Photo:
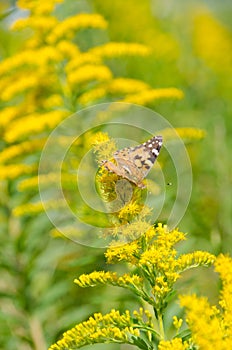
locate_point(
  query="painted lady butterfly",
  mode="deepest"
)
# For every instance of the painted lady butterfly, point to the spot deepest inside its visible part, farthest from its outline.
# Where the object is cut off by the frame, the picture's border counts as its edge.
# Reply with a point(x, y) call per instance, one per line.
point(134, 163)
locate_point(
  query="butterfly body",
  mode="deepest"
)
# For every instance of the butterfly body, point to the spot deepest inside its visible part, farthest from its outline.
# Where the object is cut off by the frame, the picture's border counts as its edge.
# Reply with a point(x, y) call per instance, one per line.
point(134, 163)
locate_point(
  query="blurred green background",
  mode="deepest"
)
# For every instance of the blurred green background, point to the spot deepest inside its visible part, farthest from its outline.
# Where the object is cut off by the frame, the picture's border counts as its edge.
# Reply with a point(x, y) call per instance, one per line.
point(191, 46)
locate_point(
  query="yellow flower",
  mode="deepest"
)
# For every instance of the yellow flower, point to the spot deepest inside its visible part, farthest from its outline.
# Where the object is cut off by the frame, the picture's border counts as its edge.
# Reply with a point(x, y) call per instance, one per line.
point(15, 170)
point(125, 86)
point(38, 207)
point(187, 134)
point(19, 86)
point(33, 124)
point(68, 49)
point(154, 94)
point(114, 49)
point(223, 265)
point(95, 278)
point(92, 95)
point(7, 114)
point(197, 258)
point(213, 43)
point(36, 57)
point(118, 86)
point(88, 73)
point(130, 231)
point(126, 252)
point(130, 210)
point(99, 138)
point(99, 329)
point(68, 27)
point(38, 5)
point(28, 209)
point(46, 181)
point(207, 332)
point(53, 101)
point(102, 277)
point(177, 323)
point(102, 146)
point(174, 344)
point(82, 59)
point(21, 149)
point(41, 23)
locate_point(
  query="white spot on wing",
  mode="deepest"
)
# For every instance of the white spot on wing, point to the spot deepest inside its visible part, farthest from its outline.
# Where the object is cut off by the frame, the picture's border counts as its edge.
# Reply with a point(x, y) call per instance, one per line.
point(155, 151)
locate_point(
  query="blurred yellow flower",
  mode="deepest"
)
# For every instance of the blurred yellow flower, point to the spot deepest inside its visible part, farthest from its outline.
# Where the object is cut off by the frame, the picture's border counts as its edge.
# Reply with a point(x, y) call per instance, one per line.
point(115, 49)
point(68, 27)
point(88, 73)
point(150, 95)
point(213, 43)
point(21, 149)
point(33, 123)
point(13, 171)
point(38, 5)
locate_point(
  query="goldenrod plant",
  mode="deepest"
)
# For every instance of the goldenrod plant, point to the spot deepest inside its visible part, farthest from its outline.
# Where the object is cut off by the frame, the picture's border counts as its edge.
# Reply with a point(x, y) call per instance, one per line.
point(155, 266)
point(46, 74)
point(56, 58)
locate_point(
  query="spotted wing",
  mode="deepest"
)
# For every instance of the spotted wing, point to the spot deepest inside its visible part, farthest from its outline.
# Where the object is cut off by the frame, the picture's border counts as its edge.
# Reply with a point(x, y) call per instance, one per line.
point(138, 161)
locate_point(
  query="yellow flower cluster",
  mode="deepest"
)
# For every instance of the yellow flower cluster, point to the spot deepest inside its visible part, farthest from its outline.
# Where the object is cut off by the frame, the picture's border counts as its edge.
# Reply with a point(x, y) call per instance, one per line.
point(102, 146)
point(151, 95)
point(32, 58)
point(96, 277)
point(7, 114)
point(68, 27)
point(196, 258)
point(92, 96)
point(113, 327)
point(46, 181)
point(213, 43)
point(68, 49)
point(114, 49)
point(177, 323)
point(39, 6)
point(126, 86)
point(127, 252)
point(115, 87)
point(187, 134)
point(203, 322)
point(131, 210)
point(81, 59)
point(99, 138)
point(20, 86)
point(211, 326)
point(223, 265)
point(33, 123)
point(102, 277)
point(154, 252)
point(89, 73)
point(21, 149)
point(39, 23)
point(28, 209)
point(13, 171)
point(174, 344)
point(131, 230)
point(38, 207)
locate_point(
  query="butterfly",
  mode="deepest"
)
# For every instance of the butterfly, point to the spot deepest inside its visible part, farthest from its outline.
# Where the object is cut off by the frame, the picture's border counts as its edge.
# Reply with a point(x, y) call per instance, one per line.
point(134, 163)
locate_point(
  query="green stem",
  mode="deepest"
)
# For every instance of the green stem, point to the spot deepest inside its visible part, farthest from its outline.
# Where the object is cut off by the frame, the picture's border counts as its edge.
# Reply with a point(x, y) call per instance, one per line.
point(161, 327)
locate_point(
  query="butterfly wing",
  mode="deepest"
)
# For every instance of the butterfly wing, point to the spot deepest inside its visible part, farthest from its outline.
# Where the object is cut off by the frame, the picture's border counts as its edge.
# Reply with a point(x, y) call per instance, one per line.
point(138, 161)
